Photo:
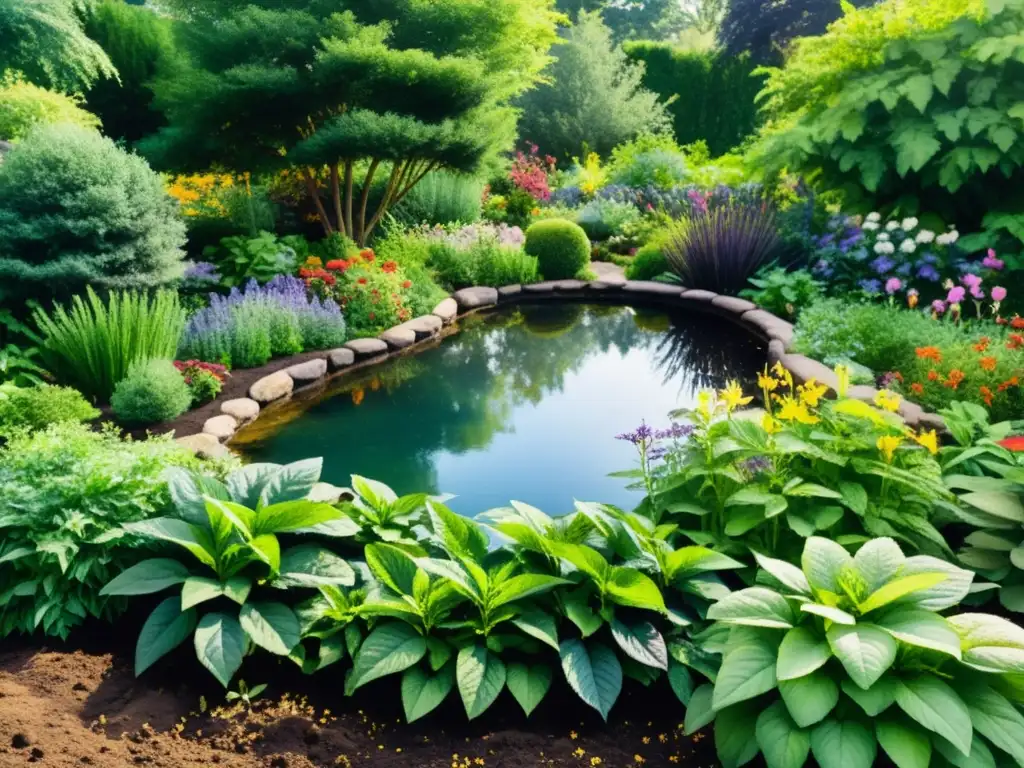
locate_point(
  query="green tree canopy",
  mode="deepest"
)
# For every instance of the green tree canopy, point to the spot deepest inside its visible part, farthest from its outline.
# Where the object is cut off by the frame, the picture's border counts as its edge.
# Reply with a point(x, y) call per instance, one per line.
point(594, 96)
point(44, 39)
point(334, 90)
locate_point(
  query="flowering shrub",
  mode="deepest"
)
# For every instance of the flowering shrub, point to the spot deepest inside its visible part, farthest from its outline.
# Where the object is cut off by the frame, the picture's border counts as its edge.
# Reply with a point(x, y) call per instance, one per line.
point(204, 380)
point(200, 194)
point(530, 173)
point(248, 327)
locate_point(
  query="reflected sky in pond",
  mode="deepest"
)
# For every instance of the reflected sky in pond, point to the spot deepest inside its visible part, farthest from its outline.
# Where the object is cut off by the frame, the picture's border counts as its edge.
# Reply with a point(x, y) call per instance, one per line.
point(524, 404)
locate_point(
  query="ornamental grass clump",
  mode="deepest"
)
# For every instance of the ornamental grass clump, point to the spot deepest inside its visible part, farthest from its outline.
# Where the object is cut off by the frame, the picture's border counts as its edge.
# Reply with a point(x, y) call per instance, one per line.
point(721, 247)
point(480, 254)
point(248, 327)
point(849, 653)
point(92, 344)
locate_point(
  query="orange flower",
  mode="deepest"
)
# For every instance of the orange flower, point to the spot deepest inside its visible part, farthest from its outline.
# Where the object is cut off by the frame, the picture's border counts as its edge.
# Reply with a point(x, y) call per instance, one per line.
point(389, 266)
point(929, 353)
point(982, 344)
point(358, 395)
point(933, 375)
point(1013, 381)
point(986, 395)
point(917, 389)
point(407, 284)
point(955, 377)
point(1017, 322)
point(367, 255)
point(1016, 341)
point(988, 363)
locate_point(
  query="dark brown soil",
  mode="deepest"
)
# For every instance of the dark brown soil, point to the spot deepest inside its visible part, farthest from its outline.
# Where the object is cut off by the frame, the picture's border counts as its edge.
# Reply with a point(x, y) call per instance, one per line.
point(79, 706)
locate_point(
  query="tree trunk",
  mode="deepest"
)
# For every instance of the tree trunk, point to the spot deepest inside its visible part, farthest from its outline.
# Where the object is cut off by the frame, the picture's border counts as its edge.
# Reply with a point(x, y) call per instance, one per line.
point(314, 194)
point(336, 197)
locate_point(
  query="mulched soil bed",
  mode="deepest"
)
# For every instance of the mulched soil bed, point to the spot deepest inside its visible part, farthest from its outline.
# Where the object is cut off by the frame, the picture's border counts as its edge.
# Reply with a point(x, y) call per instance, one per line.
point(80, 705)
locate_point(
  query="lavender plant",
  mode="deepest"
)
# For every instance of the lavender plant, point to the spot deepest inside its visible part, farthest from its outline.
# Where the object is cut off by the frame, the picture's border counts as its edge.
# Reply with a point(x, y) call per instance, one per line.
point(248, 327)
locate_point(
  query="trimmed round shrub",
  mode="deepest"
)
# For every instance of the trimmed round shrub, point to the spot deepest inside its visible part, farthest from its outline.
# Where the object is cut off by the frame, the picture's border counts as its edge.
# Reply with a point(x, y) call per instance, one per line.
point(153, 391)
point(561, 248)
point(38, 407)
point(648, 263)
point(75, 209)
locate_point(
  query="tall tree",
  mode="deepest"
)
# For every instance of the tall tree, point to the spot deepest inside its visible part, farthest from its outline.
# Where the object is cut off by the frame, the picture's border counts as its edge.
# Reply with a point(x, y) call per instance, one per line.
point(594, 96)
point(627, 19)
point(44, 40)
point(344, 94)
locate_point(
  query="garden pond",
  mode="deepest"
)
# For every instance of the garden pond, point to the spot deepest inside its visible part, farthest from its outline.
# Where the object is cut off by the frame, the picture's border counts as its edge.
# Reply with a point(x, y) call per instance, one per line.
point(522, 403)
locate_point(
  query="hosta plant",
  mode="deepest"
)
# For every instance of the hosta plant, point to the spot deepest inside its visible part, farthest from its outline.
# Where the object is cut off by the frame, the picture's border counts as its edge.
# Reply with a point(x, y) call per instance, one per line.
point(847, 654)
point(232, 533)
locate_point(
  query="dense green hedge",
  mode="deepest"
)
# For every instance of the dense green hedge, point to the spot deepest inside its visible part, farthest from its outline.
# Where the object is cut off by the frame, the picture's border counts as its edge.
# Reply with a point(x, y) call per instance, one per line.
point(714, 93)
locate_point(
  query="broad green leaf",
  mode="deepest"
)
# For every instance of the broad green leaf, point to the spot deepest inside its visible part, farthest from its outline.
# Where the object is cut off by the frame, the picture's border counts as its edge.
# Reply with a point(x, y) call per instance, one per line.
point(593, 672)
point(906, 746)
point(540, 625)
point(813, 490)
point(220, 645)
point(293, 516)
point(755, 607)
point(245, 484)
point(945, 594)
point(937, 707)
point(735, 739)
point(375, 493)
point(918, 89)
point(423, 693)
point(272, 626)
point(827, 611)
point(310, 565)
point(878, 561)
point(389, 649)
point(583, 558)
point(481, 676)
point(874, 700)
point(460, 536)
point(787, 575)
point(528, 684)
point(199, 589)
point(524, 585)
point(699, 712)
point(627, 586)
point(1001, 504)
point(996, 719)
point(191, 537)
point(898, 588)
point(843, 744)
point(864, 650)
point(855, 497)
point(823, 560)
point(187, 491)
point(921, 628)
point(681, 681)
point(582, 615)
point(686, 561)
point(238, 518)
point(392, 566)
point(989, 643)
point(291, 482)
point(642, 642)
point(748, 670)
point(147, 577)
point(810, 698)
point(268, 549)
point(801, 653)
point(782, 743)
point(166, 628)
point(438, 653)
point(980, 757)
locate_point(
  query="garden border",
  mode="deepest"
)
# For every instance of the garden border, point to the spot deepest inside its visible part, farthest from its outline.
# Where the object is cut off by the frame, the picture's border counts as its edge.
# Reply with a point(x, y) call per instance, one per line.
point(290, 377)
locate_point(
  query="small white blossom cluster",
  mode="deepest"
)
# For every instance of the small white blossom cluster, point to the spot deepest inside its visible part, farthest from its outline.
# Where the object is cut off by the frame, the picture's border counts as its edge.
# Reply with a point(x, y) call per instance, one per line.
point(884, 247)
point(948, 238)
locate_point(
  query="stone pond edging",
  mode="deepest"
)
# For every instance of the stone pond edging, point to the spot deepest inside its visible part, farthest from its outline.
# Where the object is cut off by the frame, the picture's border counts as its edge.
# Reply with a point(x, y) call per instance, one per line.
point(403, 338)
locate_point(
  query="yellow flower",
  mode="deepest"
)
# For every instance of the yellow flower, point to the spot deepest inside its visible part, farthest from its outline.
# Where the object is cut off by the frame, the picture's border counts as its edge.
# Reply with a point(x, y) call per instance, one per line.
point(792, 410)
point(887, 401)
point(767, 382)
point(704, 403)
point(811, 393)
point(732, 395)
point(929, 440)
point(843, 374)
point(769, 424)
point(888, 445)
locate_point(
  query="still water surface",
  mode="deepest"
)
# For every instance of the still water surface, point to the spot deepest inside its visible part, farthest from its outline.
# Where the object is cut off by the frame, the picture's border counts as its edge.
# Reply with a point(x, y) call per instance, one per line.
point(522, 404)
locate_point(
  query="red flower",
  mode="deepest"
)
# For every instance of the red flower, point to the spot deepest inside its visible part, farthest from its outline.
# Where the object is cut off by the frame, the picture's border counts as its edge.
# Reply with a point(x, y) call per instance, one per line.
point(361, 281)
point(1017, 322)
point(338, 265)
point(367, 255)
point(407, 284)
point(917, 388)
point(389, 267)
point(1013, 443)
point(1016, 340)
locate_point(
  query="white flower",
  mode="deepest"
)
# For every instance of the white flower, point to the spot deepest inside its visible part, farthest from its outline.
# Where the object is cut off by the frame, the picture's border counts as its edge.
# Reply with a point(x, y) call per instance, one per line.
point(908, 246)
point(885, 248)
point(953, 236)
point(892, 225)
point(874, 217)
point(925, 236)
point(870, 225)
point(948, 238)
point(909, 223)
point(882, 237)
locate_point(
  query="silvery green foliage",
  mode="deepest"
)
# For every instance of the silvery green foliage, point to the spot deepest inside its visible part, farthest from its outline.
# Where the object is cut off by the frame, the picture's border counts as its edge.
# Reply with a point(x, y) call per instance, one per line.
point(851, 652)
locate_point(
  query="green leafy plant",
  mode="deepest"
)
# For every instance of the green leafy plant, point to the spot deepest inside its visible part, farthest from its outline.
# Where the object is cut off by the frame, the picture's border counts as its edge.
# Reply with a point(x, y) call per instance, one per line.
point(94, 343)
point(19, 352)
point(602, 219)
point(782, 291)
point(37, 407)
point(649, 261)
point(561, 248)
point(245, 694)
point(232, 532)
point(153, 391)
point(260, 258)
point(849, 653)
point(24, 105)
point(64, 491)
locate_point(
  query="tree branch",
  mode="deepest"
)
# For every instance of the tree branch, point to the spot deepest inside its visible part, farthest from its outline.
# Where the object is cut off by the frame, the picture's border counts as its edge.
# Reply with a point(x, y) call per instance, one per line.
point(336, 197)
point(314, 194)
point(348, 198)
point(364, 197)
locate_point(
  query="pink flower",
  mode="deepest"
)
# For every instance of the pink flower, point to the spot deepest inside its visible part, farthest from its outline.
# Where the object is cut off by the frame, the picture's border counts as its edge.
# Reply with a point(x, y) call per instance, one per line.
point(998, 293)
point(991, 261)
point(971, 281)
point(892, 285)
point(956, 295)
point(977, 293)
point(939, 306)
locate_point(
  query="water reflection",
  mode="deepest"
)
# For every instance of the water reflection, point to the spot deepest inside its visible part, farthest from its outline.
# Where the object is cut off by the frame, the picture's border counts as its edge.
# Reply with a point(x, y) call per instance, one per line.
point(522, 403)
